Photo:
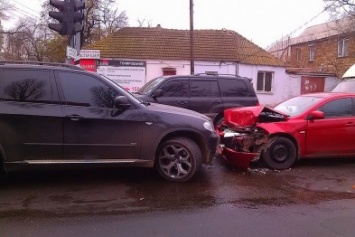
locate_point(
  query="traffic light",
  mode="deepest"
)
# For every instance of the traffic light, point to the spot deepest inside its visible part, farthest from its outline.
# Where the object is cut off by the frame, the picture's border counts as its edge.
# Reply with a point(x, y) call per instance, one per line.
point(78, 16)
point(60, 27)
point(70, 16)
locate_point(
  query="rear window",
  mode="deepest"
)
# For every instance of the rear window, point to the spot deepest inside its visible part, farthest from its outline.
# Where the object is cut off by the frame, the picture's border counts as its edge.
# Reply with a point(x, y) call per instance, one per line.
point(27, 86)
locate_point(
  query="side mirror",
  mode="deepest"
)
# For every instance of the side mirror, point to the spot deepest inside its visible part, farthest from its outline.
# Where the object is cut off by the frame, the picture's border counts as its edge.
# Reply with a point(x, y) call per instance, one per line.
point(157, 93)
point(121, 102)
point(316, 114)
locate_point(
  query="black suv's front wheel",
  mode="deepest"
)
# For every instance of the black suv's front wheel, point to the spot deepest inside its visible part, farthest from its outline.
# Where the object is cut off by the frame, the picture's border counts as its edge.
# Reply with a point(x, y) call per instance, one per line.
point(178, 159)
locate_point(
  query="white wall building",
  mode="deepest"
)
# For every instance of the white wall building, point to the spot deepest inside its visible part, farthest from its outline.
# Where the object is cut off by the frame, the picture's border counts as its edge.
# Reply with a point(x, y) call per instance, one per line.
point(167, 52)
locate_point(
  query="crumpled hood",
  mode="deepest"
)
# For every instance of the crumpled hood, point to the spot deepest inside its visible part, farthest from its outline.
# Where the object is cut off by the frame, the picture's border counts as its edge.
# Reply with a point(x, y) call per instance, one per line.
point(249, 116)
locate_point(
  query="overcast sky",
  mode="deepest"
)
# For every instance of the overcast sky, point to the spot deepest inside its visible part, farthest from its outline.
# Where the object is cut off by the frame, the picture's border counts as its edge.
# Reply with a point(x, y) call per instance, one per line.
point(261, 21)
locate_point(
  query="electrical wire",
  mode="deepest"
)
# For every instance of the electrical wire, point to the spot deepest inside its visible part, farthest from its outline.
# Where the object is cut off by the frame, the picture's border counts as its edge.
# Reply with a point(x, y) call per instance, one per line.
point(300, 27)
point(23, 10)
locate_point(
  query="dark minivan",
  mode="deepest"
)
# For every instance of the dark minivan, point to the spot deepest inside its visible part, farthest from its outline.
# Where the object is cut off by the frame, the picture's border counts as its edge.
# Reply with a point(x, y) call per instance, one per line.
point(64, 116)
point(203, 93)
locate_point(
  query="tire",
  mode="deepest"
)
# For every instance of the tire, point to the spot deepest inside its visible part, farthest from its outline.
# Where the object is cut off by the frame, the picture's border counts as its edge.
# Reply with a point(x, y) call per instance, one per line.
point(178, 159)
point(281, 153)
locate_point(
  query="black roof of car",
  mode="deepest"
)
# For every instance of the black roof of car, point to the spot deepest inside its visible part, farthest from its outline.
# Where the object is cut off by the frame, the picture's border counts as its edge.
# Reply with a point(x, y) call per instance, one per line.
point(31, 64)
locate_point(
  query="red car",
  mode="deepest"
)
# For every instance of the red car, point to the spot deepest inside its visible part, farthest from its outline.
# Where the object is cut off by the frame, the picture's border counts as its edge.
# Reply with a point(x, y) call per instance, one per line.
point(306, 126)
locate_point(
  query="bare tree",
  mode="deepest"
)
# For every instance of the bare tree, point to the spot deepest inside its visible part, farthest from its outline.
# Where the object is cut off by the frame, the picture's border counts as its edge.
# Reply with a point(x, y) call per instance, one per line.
point(340, 8)
point(101, 18)
point(28, 40)
point(5, 10)
point(31, 39)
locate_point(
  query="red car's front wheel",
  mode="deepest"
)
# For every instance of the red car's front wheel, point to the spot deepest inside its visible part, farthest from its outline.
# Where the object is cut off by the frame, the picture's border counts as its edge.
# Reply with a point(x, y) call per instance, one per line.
point(280, 154)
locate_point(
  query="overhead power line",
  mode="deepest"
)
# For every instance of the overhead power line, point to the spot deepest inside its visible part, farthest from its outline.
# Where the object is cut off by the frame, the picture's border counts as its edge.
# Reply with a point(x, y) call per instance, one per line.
point(24, 10)
point(302, 26)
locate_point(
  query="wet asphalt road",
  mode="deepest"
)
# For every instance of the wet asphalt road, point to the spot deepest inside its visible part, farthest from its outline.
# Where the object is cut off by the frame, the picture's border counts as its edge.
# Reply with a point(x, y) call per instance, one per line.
point(315, 198)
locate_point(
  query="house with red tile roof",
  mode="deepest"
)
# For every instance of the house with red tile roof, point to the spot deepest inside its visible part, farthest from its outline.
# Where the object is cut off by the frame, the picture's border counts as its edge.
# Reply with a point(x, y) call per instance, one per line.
point(145, 53)
point(320, 54)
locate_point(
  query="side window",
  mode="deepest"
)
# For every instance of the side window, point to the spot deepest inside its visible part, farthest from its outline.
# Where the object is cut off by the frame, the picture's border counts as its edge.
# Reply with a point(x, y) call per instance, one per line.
point(84, 90)
point(176, 88)
point(233, 88)
point(338, 108)
point(27, 86)
point(204, 88)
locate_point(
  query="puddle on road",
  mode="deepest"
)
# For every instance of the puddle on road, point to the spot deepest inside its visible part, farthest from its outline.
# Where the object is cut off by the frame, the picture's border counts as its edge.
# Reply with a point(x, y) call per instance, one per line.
point(140, 190)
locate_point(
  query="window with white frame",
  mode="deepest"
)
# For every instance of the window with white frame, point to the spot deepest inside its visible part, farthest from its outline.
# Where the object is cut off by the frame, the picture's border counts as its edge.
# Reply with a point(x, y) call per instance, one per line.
point(264, 82)
point(312, 50)
point(343, 47)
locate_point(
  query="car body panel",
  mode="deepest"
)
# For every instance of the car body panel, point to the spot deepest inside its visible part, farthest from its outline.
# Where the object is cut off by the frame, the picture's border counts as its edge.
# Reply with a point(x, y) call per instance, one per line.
point(330, 137)
point(249, 116)
point(24, 131)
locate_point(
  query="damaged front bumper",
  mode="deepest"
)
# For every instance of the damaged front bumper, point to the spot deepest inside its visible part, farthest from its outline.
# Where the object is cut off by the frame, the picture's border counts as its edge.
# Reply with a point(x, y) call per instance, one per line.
point(239, 160)
point(241, 149)
point(242, 141)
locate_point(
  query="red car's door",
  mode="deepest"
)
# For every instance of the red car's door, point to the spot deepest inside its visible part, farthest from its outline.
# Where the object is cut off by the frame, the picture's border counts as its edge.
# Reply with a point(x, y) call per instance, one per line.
point(334, 134)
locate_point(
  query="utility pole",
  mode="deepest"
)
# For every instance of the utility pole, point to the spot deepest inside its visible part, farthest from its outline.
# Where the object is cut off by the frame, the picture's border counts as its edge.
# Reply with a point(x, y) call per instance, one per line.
point(192, 64)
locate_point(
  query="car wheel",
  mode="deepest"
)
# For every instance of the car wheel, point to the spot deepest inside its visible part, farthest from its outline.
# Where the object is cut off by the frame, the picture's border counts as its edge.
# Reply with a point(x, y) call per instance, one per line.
point(178, 159)
point(280, 154)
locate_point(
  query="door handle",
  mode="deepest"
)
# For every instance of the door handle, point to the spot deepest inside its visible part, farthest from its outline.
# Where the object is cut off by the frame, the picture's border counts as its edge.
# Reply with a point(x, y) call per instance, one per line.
point(216, 102)
point(182, 103)
point(74, 117)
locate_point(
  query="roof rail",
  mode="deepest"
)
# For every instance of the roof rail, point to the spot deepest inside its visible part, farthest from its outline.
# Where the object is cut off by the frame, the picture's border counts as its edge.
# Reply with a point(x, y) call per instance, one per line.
point(215, 74)
point(3, 62)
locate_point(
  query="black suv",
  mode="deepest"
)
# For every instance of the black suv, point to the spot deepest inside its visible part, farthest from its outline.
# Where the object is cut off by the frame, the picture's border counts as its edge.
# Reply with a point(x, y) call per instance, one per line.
point(203, 93)
point(65, 116)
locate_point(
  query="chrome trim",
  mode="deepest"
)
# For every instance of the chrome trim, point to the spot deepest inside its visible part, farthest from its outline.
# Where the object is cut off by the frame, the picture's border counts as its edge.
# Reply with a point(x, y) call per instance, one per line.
point(60, 144)
point(103, 161)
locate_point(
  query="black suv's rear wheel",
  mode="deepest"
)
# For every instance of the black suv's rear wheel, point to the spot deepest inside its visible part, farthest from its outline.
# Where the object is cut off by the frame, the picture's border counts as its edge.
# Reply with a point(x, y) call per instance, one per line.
point(178, 159)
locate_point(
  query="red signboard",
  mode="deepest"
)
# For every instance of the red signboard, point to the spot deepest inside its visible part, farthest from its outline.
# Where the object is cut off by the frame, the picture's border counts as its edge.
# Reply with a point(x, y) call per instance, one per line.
point(88, 64)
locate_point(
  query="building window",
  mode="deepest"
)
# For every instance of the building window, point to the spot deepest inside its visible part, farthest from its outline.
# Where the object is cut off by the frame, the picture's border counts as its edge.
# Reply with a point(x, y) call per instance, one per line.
point(312, 50)
point(169, 71)
point(298, 55)
point(264, 83)
point(343, 47)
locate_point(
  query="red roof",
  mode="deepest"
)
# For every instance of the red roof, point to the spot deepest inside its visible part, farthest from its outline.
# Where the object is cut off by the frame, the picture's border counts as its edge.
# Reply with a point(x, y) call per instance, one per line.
point(170, 44)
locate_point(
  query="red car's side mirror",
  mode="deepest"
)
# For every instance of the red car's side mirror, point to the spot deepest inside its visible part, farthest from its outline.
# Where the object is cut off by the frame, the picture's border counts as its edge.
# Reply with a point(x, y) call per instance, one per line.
point(316, 114)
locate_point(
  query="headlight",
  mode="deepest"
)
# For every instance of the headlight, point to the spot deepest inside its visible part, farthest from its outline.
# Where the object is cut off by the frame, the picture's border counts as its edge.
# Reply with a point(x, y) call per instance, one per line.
point(209, 126)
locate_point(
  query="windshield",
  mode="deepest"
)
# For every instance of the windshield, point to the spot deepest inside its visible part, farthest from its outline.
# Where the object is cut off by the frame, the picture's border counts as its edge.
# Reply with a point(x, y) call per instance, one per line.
point(150, 85)
point(297, 105)
point(345, 86)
